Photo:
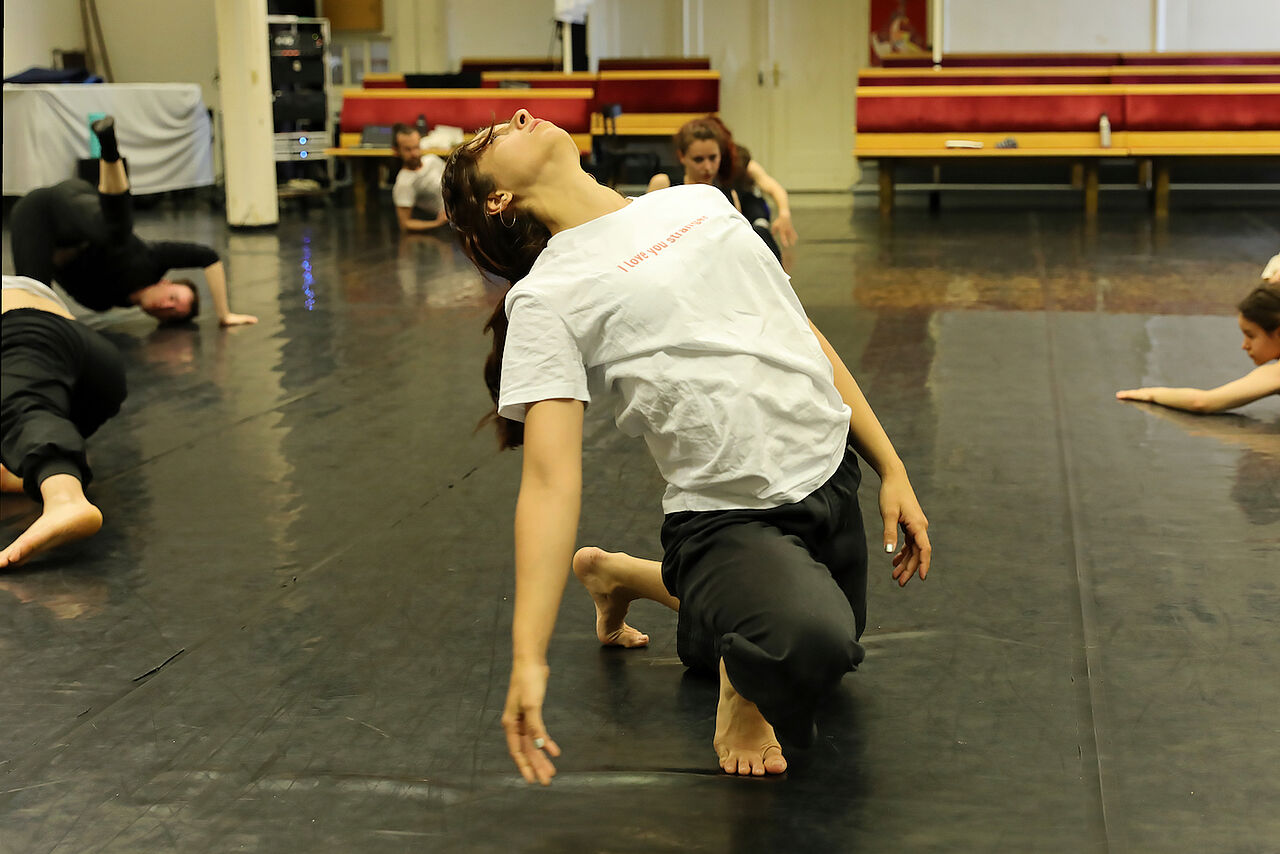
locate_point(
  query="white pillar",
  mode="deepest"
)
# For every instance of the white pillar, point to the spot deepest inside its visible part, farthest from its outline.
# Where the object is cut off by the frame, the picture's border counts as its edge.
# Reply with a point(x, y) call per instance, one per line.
point(936, 26)
point(248, 141)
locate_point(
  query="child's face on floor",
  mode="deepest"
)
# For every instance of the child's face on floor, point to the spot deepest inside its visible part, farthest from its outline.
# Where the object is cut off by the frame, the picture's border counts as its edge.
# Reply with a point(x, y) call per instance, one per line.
point(1262, 346)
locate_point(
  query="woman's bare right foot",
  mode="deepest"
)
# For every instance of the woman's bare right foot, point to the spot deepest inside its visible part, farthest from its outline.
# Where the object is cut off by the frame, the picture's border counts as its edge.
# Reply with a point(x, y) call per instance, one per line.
point(612, 599)
point(68, 516)
point(744, 740)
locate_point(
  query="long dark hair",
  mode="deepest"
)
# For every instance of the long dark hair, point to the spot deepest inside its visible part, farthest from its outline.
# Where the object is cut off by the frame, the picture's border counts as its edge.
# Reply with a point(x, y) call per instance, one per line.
point(1262, 306)
point(506, 251)
point(709, 127)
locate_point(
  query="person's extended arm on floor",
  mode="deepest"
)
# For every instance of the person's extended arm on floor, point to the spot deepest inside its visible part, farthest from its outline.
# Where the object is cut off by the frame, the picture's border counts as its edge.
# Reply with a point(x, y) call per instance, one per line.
point(408, 222)
point(215, 276)
point(545, 530)
point(174, 255)
point(781, 226)
point(898, 502)
point(1258, 383)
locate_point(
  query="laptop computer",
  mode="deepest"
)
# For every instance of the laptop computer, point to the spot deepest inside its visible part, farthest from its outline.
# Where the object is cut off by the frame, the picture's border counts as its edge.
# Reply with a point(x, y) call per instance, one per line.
point(376, 136)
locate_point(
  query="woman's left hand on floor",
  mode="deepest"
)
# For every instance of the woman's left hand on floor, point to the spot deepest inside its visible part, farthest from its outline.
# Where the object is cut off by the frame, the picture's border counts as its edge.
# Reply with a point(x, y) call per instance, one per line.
point(900, 509)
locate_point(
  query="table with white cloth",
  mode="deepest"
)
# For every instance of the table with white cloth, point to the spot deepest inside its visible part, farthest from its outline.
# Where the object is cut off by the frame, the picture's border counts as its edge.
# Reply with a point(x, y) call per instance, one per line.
point(162, 130)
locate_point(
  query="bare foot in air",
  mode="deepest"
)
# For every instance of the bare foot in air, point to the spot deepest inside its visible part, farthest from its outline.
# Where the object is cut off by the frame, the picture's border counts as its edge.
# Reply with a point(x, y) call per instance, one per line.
point(744, 740)
point(592, 566)
point(68, 516)
point(9, 482)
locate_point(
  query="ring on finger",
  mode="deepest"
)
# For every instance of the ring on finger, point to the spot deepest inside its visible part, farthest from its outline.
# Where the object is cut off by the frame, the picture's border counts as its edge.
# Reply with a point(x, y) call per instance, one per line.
point(539, 742)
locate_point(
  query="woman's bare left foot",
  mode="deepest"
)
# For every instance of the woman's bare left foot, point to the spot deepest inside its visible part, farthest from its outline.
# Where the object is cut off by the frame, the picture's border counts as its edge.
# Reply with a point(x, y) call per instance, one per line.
point(9, 482)
point(60, 523)
point(612, 599)
point(744, 740)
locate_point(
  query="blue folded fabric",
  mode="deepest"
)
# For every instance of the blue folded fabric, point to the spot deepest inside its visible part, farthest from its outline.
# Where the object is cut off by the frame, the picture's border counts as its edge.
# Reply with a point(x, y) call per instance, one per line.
point(36, 74)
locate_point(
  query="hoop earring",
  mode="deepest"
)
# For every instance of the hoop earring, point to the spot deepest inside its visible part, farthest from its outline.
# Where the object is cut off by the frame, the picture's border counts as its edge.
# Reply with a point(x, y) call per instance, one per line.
point(511, 224)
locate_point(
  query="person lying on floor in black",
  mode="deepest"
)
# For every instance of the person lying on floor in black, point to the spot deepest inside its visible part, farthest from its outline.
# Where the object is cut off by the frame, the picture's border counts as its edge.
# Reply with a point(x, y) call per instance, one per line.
point(83, 238)
point(59, 382)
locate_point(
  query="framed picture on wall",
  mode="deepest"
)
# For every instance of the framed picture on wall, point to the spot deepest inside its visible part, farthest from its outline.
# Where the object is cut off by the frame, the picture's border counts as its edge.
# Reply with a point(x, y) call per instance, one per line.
point(899, 28)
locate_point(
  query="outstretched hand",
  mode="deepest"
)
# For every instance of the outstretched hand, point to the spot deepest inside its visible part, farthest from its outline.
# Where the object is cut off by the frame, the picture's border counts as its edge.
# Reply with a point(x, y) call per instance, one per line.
point(900, 509)
point(1144, 394)
point(527, 739)
point(237, 320)
point(785, 231)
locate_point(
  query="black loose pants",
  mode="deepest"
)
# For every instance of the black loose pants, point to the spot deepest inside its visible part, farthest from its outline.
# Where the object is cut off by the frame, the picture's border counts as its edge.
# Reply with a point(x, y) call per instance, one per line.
point(59, 382)
point(779, 594)
point(65, 218)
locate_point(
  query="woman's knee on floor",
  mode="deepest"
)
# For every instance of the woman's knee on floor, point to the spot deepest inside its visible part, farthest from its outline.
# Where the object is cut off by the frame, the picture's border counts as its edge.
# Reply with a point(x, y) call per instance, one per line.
point(822, 645)
point(812, 643)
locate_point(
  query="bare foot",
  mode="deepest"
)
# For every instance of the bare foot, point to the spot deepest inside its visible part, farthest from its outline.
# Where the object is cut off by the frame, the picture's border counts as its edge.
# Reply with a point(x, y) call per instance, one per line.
point(61, 522)
point(744, 740)
point(9, 482)
point(592, 566)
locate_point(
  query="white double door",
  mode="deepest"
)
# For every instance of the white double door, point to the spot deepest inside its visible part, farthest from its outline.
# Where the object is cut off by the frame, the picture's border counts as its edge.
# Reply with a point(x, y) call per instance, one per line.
point(788, 69)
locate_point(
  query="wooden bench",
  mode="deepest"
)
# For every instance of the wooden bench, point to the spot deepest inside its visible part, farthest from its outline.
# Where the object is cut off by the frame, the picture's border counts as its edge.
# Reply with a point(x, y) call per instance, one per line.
point(511, 63)
point(1094, 75)
point(1051, 121)
point(1048, 60)
point(655, 101)
point(569, 109)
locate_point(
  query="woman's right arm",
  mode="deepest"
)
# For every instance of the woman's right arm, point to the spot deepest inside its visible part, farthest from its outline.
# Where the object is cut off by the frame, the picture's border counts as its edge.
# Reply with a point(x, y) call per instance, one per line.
point(545, 529)
point(658, 182)
point(1256, 384)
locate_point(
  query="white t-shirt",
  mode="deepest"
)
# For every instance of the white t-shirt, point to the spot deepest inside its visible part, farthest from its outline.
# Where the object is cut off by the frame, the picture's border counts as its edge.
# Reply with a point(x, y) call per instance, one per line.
point(420, 188)
point(674, 312)
point(35, 288)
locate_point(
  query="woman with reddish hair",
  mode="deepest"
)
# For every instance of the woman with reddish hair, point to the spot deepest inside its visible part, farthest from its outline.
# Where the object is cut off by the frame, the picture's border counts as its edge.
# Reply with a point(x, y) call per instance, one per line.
point(708, 154)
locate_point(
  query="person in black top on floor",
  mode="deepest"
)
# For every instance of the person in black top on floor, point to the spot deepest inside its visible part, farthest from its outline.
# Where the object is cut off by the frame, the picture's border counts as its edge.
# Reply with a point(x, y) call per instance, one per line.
point(83, 238)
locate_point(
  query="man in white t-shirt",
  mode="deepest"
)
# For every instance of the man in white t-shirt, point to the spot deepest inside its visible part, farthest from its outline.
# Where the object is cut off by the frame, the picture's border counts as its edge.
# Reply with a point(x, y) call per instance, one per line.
point(419, 205)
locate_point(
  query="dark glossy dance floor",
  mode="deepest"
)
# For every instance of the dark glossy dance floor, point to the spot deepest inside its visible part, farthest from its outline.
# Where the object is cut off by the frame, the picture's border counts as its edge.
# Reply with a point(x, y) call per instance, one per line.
point(292, 633)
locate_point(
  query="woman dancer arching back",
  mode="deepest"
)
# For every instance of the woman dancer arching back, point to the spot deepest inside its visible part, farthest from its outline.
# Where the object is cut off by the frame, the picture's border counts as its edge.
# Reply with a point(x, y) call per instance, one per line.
point(668, 311)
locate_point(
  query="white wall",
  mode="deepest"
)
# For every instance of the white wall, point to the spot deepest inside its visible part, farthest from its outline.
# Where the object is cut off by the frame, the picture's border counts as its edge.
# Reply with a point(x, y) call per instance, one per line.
point(1035, 26)
point(418, 30)
point(162, 41)
point(34, 28)
point(1222, 25)
point(499, 28)
point(631, 28)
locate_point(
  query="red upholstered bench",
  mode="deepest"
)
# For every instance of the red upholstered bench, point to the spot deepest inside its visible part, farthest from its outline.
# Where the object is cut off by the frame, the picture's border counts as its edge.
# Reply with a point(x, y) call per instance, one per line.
point(511, 63)
point(1081, 60)
point(469, 109)
point(383, 80)
point(1068, 76)
point(1005, 60)
point(655, 63)
point(1050, 121)
point(1253, 58)
point(466, 108)
point(655, 102)
point(539, 79)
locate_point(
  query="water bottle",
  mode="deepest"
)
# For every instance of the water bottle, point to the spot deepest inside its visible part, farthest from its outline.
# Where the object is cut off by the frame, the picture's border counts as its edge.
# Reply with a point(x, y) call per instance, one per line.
point(1104, 131)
